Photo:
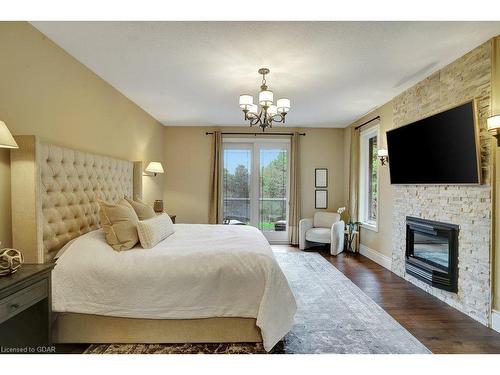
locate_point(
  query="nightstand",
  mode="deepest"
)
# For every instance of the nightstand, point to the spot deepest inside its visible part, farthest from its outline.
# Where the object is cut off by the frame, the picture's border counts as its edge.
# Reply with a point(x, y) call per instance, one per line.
point(26, 309)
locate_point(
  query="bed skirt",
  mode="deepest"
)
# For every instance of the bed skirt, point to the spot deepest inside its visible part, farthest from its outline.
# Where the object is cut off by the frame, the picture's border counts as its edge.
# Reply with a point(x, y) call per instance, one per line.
point(99, 329)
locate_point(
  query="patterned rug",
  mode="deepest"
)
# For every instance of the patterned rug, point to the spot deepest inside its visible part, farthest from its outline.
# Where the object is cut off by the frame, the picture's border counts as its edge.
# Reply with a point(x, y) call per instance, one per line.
point(334, 316)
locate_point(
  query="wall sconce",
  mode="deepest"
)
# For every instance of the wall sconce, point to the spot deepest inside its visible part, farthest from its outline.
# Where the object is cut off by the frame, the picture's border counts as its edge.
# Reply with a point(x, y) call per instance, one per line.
point(6, 139)
point(154, 167)
point(493, 123)
point(383, 156)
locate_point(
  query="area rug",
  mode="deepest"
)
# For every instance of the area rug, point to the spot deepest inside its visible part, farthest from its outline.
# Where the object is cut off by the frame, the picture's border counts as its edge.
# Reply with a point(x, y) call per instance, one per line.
point(333, 316)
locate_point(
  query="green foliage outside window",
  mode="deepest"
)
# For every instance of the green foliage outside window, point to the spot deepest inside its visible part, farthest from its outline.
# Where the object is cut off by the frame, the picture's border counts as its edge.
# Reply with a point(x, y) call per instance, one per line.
point(273, 185)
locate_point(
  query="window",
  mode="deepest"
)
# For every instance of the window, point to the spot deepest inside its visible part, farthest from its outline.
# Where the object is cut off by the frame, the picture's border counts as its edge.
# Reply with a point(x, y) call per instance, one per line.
point(255, 185)
point(368, 181)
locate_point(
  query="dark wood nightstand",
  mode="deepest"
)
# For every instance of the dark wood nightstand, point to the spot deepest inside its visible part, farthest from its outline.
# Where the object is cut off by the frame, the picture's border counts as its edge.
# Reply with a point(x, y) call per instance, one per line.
point(26, 309)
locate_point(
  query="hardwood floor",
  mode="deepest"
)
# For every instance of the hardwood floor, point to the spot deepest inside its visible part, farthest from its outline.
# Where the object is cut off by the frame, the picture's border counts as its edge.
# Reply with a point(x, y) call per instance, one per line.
point(441, 328)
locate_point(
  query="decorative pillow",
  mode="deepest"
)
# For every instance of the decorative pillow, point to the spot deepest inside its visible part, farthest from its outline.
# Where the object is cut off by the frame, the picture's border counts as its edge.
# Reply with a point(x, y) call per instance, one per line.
point(142, 210)
point(119, 222)
point(152, 231)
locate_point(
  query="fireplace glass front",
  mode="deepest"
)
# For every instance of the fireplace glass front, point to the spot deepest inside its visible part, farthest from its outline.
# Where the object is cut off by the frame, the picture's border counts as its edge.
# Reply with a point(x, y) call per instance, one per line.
point(432, 249)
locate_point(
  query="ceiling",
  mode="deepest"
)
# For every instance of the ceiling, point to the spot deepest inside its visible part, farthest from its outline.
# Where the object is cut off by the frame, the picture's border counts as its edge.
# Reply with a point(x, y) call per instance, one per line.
point(191, 73)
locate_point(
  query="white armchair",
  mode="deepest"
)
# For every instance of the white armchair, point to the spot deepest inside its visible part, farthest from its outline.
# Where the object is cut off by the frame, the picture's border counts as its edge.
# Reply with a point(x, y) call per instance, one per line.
point(325, 227)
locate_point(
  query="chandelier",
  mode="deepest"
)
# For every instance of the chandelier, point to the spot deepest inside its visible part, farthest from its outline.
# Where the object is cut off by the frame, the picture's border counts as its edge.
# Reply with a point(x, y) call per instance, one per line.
point(268, 112)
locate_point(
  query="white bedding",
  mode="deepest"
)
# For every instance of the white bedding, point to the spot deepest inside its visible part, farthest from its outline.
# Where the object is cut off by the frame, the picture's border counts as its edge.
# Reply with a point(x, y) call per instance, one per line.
point(200, 271)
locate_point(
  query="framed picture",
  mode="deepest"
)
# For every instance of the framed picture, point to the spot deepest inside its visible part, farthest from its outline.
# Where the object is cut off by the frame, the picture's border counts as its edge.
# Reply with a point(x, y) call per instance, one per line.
point(321, 177)
point(321, 198)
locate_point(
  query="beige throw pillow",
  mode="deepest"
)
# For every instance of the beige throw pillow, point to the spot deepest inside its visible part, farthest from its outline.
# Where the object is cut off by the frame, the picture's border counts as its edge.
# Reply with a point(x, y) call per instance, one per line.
point(119, 222)
point(142, 210)
point(152, 231)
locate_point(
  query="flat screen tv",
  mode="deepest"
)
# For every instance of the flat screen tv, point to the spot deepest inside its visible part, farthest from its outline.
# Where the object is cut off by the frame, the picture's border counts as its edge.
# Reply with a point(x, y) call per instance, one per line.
point(440, 149)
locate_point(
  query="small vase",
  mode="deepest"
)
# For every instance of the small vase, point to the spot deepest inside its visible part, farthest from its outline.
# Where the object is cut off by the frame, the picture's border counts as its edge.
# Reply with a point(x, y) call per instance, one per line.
point(158, 205)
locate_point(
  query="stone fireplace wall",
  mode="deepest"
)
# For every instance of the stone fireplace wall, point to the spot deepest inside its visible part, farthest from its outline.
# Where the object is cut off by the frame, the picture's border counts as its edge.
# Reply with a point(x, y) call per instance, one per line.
point(470, 207)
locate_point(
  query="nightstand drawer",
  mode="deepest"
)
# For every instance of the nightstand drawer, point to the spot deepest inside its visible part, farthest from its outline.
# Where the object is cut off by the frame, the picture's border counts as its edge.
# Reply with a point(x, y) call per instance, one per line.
point(21, 300)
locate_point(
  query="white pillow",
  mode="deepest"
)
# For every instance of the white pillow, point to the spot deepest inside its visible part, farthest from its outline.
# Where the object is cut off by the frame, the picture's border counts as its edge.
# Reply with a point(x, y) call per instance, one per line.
point(152, 231)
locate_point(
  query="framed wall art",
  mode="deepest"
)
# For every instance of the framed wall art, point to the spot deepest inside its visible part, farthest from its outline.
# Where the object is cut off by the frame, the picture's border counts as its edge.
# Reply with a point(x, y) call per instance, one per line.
point(321, 177)
point(321, 199)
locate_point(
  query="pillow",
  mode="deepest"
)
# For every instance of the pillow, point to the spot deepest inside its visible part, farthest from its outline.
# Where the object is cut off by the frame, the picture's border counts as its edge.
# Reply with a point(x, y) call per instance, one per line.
point(142, 210)
point(119, 222)
point(154, 230)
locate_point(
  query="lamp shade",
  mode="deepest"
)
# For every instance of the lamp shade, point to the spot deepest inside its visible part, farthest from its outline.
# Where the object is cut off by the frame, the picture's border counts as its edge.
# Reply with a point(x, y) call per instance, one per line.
point(493, 122)
point(253, 109)
point(246, 101)
point(154, 167)
point(6, 139)
point(382, 152)
point(283, 105)
point(266, 97)
point(272, 110)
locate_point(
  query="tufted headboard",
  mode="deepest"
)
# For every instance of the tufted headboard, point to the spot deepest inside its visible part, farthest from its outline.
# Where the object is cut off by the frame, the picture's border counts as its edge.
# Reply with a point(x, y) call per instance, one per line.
point(55, 192)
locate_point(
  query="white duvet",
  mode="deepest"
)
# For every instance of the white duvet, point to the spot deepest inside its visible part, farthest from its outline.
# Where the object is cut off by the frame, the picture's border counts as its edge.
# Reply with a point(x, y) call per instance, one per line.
point(201, 271)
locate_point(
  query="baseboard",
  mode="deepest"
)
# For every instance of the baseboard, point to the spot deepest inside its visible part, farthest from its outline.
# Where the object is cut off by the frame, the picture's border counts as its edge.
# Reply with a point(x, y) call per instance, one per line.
point(495, 320)
point(381, 259)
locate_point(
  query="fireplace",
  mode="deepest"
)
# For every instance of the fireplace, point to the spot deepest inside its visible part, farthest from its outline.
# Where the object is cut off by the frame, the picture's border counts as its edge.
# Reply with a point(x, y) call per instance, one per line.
point(432, 252)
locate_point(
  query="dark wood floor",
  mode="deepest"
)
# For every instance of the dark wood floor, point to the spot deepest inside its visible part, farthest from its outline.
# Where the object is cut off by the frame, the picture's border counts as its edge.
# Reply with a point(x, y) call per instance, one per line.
point(441, 328)
point(438, 326)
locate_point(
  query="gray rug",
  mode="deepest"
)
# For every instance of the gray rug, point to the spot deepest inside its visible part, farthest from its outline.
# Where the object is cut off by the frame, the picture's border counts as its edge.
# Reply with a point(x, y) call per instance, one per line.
point(334, 316)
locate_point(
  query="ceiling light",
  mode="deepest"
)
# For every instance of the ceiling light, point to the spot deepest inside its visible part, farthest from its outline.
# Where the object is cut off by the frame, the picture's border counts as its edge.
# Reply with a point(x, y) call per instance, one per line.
point(268, 113)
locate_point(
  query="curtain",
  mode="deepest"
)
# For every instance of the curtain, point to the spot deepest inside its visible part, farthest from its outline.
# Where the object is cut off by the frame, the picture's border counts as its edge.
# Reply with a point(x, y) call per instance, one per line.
point(354, 175)
point(294, 199)
point(215, 209)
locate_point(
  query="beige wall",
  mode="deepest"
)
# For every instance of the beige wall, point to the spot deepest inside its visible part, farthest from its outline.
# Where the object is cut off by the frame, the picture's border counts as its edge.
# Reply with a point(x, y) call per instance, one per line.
point(322, 148)
point(381, 240)
point(46, 92)
point(187, 173)
point(187, 165)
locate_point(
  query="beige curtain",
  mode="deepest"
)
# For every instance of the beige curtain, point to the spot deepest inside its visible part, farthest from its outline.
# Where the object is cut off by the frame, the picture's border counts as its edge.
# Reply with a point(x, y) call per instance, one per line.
point(354, 175)
point(215, 209)
point(294, 199)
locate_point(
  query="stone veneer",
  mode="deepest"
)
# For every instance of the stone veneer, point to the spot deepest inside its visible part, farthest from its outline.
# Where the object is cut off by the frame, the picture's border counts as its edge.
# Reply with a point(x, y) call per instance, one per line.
point(470, 207)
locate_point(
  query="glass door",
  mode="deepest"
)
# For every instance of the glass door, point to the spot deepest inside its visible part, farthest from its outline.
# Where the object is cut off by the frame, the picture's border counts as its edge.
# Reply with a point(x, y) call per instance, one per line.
point(237, 183)
point(273, 190)
point(256, 185)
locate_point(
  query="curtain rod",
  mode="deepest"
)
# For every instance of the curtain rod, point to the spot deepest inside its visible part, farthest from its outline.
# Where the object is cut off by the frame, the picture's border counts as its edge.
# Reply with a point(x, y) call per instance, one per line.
point(367, 122)
point(255, 134)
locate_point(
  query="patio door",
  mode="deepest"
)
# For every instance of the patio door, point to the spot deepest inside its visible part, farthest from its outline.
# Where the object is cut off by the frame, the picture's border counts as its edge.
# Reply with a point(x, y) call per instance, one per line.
point(256, 185)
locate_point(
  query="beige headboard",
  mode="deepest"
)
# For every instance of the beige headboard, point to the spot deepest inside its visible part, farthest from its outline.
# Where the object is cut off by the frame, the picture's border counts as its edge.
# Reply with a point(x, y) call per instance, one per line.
point(55, 192)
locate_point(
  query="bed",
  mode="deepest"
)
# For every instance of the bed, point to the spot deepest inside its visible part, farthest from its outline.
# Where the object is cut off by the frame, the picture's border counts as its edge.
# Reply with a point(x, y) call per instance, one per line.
point(204, 283)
